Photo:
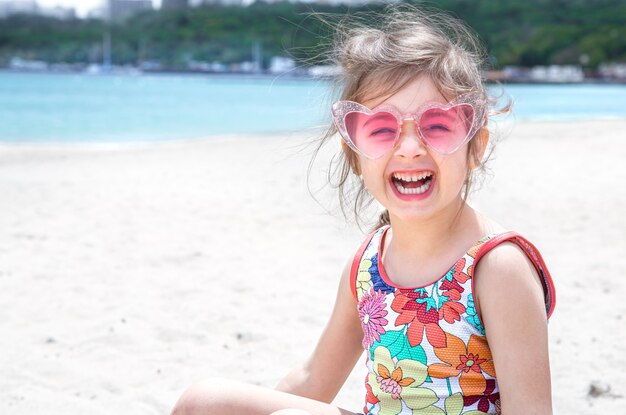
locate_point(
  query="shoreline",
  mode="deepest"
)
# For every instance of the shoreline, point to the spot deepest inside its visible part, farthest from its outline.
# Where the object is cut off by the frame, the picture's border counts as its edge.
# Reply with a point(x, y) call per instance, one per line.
point(134, 72)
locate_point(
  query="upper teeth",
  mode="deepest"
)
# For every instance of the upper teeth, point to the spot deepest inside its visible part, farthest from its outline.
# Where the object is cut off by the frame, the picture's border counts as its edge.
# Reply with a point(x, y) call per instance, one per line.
point(413, 177)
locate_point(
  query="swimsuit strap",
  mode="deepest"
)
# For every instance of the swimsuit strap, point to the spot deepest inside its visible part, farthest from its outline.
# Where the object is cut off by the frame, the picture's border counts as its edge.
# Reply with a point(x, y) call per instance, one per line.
point(357, 260)
point(535, 257)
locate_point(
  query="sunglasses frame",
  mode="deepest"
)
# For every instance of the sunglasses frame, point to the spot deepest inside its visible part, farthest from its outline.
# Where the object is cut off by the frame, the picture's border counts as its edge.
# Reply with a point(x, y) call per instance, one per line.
point(341, 109)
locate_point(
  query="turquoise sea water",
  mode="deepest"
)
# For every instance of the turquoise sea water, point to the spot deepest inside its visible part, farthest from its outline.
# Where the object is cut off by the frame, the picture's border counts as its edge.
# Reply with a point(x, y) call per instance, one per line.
point(79, 107)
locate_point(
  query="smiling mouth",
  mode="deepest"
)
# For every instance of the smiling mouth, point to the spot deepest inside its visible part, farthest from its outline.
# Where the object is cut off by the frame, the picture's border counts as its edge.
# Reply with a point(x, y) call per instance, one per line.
point(414, 184)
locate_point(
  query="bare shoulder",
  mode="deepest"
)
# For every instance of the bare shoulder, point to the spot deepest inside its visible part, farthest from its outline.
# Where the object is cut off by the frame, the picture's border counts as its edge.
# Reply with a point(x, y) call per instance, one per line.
point(506, 279)
point(505, 264)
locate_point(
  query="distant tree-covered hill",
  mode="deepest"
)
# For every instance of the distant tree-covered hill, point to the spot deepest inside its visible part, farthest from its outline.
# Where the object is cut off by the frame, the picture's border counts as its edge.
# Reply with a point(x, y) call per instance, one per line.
point(517, 32)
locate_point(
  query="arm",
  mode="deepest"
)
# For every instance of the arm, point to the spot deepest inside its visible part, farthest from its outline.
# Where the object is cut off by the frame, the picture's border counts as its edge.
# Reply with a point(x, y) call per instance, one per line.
point(514, 315)
point(336, 353)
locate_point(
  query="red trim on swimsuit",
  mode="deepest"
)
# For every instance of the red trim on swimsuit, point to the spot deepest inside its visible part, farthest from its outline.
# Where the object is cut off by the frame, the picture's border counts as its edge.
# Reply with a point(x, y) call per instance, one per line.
point(356, 261)
point(533, 254)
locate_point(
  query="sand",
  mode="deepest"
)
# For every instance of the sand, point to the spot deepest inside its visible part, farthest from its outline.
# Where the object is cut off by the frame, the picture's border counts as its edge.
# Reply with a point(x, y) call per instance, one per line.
point(127, 272)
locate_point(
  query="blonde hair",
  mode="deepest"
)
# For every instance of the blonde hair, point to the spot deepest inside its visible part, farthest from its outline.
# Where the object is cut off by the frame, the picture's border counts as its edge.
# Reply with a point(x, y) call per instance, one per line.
point(378, 59)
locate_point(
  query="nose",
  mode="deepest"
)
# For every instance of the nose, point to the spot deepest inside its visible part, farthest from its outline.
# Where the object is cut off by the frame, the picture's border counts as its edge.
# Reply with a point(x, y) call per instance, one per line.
point(410, 143)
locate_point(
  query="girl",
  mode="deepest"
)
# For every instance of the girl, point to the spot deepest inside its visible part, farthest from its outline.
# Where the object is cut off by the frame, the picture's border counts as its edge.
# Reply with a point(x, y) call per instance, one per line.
point(449, 308)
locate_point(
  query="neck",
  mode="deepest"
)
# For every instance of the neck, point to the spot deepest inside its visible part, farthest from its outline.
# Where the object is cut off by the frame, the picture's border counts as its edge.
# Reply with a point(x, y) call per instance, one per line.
point(426, 238)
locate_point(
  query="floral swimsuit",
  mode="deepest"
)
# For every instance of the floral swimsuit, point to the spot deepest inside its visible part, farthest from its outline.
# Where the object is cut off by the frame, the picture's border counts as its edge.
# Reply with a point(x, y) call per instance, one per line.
point(426, 348)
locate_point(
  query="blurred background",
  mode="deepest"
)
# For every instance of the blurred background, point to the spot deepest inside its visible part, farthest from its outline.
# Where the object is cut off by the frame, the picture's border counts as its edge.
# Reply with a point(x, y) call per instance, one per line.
point(120, 70)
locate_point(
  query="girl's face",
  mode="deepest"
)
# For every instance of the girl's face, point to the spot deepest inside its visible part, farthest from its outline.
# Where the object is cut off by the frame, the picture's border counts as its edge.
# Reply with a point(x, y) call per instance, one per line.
point(412, 181)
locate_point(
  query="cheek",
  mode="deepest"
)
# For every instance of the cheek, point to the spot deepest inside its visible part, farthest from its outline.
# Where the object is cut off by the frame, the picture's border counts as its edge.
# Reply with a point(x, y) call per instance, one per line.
point(373, 176)
point(454, 170)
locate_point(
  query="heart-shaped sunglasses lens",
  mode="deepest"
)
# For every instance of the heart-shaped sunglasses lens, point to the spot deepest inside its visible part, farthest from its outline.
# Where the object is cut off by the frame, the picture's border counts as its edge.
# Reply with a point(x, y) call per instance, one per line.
point(373, 134)
point(445, 130)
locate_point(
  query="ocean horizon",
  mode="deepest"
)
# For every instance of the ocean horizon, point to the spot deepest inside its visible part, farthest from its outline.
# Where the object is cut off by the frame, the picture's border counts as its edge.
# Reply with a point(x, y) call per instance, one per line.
point(76, 107)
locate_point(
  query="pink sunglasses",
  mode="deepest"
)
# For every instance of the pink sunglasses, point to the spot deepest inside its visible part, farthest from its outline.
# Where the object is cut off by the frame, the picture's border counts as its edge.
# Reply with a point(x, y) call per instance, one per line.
point(442, 127)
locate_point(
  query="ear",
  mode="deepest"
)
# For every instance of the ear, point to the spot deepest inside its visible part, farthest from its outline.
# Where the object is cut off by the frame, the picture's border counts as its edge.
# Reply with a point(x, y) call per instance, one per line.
point(482, 140)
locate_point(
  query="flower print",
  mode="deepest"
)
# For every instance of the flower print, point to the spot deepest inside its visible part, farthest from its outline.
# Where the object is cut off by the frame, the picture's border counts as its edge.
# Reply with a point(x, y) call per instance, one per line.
point(451, 289)
point(470, 270)
point(457, 273)
point(451, 282)
point(474, 250)
point(473, 318)
point(372, 313)
point(469, 362)
point(417, 309)
point(369, 397)
point(454, 406)
point(485, 399)
point(377, 280)
point(451, 311)
point(363, 278)
point(394, 383)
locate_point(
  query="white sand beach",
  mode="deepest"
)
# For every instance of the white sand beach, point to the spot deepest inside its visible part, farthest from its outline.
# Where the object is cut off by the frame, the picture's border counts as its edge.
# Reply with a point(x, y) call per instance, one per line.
point(129, 272)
